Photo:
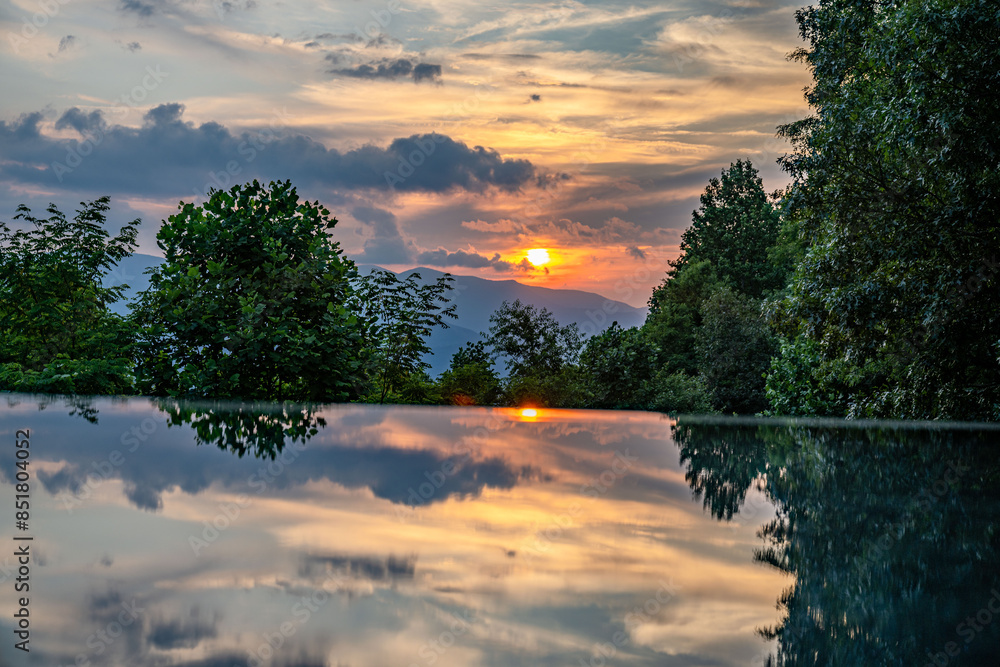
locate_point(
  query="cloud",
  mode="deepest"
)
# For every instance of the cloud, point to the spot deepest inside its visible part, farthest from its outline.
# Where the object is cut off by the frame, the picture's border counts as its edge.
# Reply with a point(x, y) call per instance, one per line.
point(182, 632)
point(472, 260)
point(385, 245)
point(168, 156)
point(636, 252)
point(388, 69)
point(501, 226)
point(373, 568)
point(139, 7)
point(80, 121)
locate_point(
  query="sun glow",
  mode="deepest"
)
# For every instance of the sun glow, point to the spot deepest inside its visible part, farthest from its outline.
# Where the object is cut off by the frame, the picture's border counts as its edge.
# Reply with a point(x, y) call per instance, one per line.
point(538, 256)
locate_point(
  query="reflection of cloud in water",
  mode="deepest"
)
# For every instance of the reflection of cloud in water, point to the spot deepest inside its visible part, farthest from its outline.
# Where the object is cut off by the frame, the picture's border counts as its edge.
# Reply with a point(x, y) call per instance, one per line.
point(332, 520)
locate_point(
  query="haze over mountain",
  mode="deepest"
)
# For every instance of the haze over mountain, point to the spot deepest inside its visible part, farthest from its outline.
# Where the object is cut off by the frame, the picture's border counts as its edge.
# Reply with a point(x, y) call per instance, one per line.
point(475, 299)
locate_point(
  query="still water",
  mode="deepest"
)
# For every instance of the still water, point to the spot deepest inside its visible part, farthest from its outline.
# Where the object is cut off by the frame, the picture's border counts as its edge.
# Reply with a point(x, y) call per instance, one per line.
point(169, 534)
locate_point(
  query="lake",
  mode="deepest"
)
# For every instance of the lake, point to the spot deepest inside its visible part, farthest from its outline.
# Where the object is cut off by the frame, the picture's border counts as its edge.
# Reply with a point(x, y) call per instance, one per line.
point(214, 535)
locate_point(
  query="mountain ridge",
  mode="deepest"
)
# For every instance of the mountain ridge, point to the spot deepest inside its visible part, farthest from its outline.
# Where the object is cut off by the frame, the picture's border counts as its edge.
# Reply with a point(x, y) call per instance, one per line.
point(475, 299)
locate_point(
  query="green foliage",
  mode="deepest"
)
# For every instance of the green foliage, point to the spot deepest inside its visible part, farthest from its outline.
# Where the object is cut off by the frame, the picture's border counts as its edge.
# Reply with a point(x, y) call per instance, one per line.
point(401, 315)
point(259, 429)
point(803, 382)
point(57, 333)
point(416, 388)
point(531, 341)
point(618, 365)
point(675, 315)
point(678, 393)
point(470, 380)
point(564, 389)
point(735, 347)
point(735, 228)
point(251, 302)
point(897, 196)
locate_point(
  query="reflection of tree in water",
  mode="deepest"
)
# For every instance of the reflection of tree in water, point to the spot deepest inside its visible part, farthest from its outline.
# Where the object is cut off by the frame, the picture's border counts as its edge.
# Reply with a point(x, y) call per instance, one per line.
point(723, 461)
point(891, 535)
point(260, 429)
point(79, 406)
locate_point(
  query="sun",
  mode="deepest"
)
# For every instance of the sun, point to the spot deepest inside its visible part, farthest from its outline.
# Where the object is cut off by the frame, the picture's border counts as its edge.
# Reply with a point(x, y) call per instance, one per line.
point(538, 256)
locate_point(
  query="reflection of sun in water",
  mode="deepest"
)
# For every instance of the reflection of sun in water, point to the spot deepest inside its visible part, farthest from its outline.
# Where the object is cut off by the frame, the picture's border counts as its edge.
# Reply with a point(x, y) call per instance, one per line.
point(538, 256)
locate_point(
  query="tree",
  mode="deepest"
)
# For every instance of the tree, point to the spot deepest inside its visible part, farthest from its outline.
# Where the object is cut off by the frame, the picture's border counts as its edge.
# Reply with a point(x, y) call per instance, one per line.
point(735, 229)
point(735, 346)
point(618, 365)
point(57, 332)
point(251, 302)
point(675, 315)
point(531, 341)
point(470, 379)
point(539, 354)
point(402, 314)
point(896, 195)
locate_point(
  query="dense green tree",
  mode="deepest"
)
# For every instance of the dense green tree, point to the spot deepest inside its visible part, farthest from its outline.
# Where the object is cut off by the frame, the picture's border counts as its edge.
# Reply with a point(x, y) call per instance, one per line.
point(734, 347)
point(539, 353)
point(675, 315)
point(531, 341)
point(402, 314)
point(618, 365)
point(251, 302)
point(897, 197)
point(470, 379)
point(57, 333)
point(735, 228)
point(260, 429)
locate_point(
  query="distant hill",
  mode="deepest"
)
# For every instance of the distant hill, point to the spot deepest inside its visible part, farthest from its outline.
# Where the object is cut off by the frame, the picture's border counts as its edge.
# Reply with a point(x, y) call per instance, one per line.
point(475, 299)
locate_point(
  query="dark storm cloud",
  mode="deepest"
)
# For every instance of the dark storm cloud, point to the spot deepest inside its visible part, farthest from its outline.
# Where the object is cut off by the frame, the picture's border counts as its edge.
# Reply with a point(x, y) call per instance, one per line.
point(385, 244)
point(388, 69)
point(168, 156)
point(182, 632)
point(472, 260)
point(426, 72)
point(80, 121)
point(374, 568)
point(139, 7)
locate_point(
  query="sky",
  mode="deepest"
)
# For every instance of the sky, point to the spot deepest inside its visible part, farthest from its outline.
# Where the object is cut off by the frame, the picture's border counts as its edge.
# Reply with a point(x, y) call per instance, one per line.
point(442, 133)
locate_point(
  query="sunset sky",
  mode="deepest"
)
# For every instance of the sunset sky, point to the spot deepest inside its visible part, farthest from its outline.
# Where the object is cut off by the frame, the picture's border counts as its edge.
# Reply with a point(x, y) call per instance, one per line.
point(440, 133)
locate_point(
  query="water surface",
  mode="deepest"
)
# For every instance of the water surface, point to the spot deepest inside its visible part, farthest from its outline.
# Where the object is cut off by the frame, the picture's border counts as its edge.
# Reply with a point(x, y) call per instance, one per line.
point(186, 534)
